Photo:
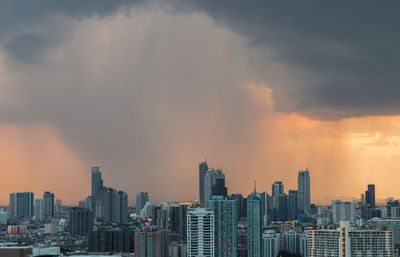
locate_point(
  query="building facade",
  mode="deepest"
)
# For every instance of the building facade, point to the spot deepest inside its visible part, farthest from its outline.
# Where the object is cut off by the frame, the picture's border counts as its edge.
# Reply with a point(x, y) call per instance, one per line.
point(200, 233)
point(225, 226)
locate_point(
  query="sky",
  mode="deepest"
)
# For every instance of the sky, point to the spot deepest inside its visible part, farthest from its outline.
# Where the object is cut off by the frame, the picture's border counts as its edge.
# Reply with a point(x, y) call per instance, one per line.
point(148, 89)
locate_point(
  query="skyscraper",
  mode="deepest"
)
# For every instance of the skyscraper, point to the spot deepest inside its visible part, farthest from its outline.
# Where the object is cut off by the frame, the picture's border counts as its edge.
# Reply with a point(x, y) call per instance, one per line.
point(81, 221)
point(203, 167)
point(200, 233)
point(21, 204)
point(282, 211)
point(210, 180)
point(97, 183)
point(271, 243)
point(303, 191)
point(141, 199)
point(370, 195)
point(39, 208)
point(112, 205)
point(151, 242)
point(277, 190)
point(293, 204)
point(219, 187)
point(254, 227)
point(343, 211)
point(48, 200)
point(225, 226)
point(178, 219)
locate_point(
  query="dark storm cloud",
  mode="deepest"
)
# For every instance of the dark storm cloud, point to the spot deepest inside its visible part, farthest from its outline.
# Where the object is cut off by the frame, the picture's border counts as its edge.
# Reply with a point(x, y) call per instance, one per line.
point(25, 25)
point(345, 53)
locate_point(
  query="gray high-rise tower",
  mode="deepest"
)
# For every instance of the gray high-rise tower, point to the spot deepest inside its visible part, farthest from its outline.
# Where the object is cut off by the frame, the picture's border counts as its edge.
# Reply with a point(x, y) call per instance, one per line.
point(97, 183)
point(141, 199)
point(254, 227)
point(225, 226)
point(277, 190)
point(303, 191)
point(203, 168)
point(370, 196)
point(48, 203)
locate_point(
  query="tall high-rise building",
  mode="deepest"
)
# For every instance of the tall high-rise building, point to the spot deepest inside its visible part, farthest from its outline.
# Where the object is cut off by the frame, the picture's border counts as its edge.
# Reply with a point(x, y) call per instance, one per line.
point(178, 219)
point(81, 221)
point(210, 184)
point(141, 199)
point(48, 200)
point(282, 210)
point(277, 190)
point(254, 227)
point(21, 204)
point(391, 224)
point(370, 195)
point(303, 191)
point(39, 208)
point(265, 208)
point(219, 187)
point(343, 211)
point(97, 183)
point(225, 226)
point(151, 242)
point(293, 204)
point(200, 233)
point(58, 208)
point(271, 243)
point(203, 168)
point(348, 242)
point(117, 239)
point(112, 205)
point(290, 241)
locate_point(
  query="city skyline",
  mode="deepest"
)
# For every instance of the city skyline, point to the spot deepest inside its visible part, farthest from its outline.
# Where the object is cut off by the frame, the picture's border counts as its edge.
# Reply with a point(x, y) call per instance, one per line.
point(284, 188)
point(147, 89)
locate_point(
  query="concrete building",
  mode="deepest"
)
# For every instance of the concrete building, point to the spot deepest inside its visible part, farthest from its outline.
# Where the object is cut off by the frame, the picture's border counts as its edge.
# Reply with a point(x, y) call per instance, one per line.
point(254, 227)
point(177, 250)
point(4, 216)
point(48, 207)
point(225, 226)
point(210, 184)
point(290, 242)
point(349, 242)
point(277, 190)
point(151, 242)
point(178, 219)
point(107, 239)
point(200, 233)
point(39, 208)
point(271, 243)
point(292, 204)
point(391, 224)
point(303, 191)
point(203, 168)
point(370, 196)
point(141, 199)
point(97, 183)
point(112, 206)
point(21, 204)
point(81, 221)
point(343, 211)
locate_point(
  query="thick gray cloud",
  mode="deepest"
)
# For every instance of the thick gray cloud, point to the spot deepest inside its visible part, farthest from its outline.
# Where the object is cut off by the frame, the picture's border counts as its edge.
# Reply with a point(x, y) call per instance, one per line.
point(342, 56)
point(339, 59)
point(27, 27)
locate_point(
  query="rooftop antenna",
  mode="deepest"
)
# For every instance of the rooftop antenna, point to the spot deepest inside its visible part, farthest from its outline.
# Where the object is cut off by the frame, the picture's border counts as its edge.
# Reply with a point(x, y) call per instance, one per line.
point(255, 188)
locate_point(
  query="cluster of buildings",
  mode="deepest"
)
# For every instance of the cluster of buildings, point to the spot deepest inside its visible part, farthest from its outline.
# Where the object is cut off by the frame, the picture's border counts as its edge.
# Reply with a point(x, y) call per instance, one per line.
point(261, 224)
